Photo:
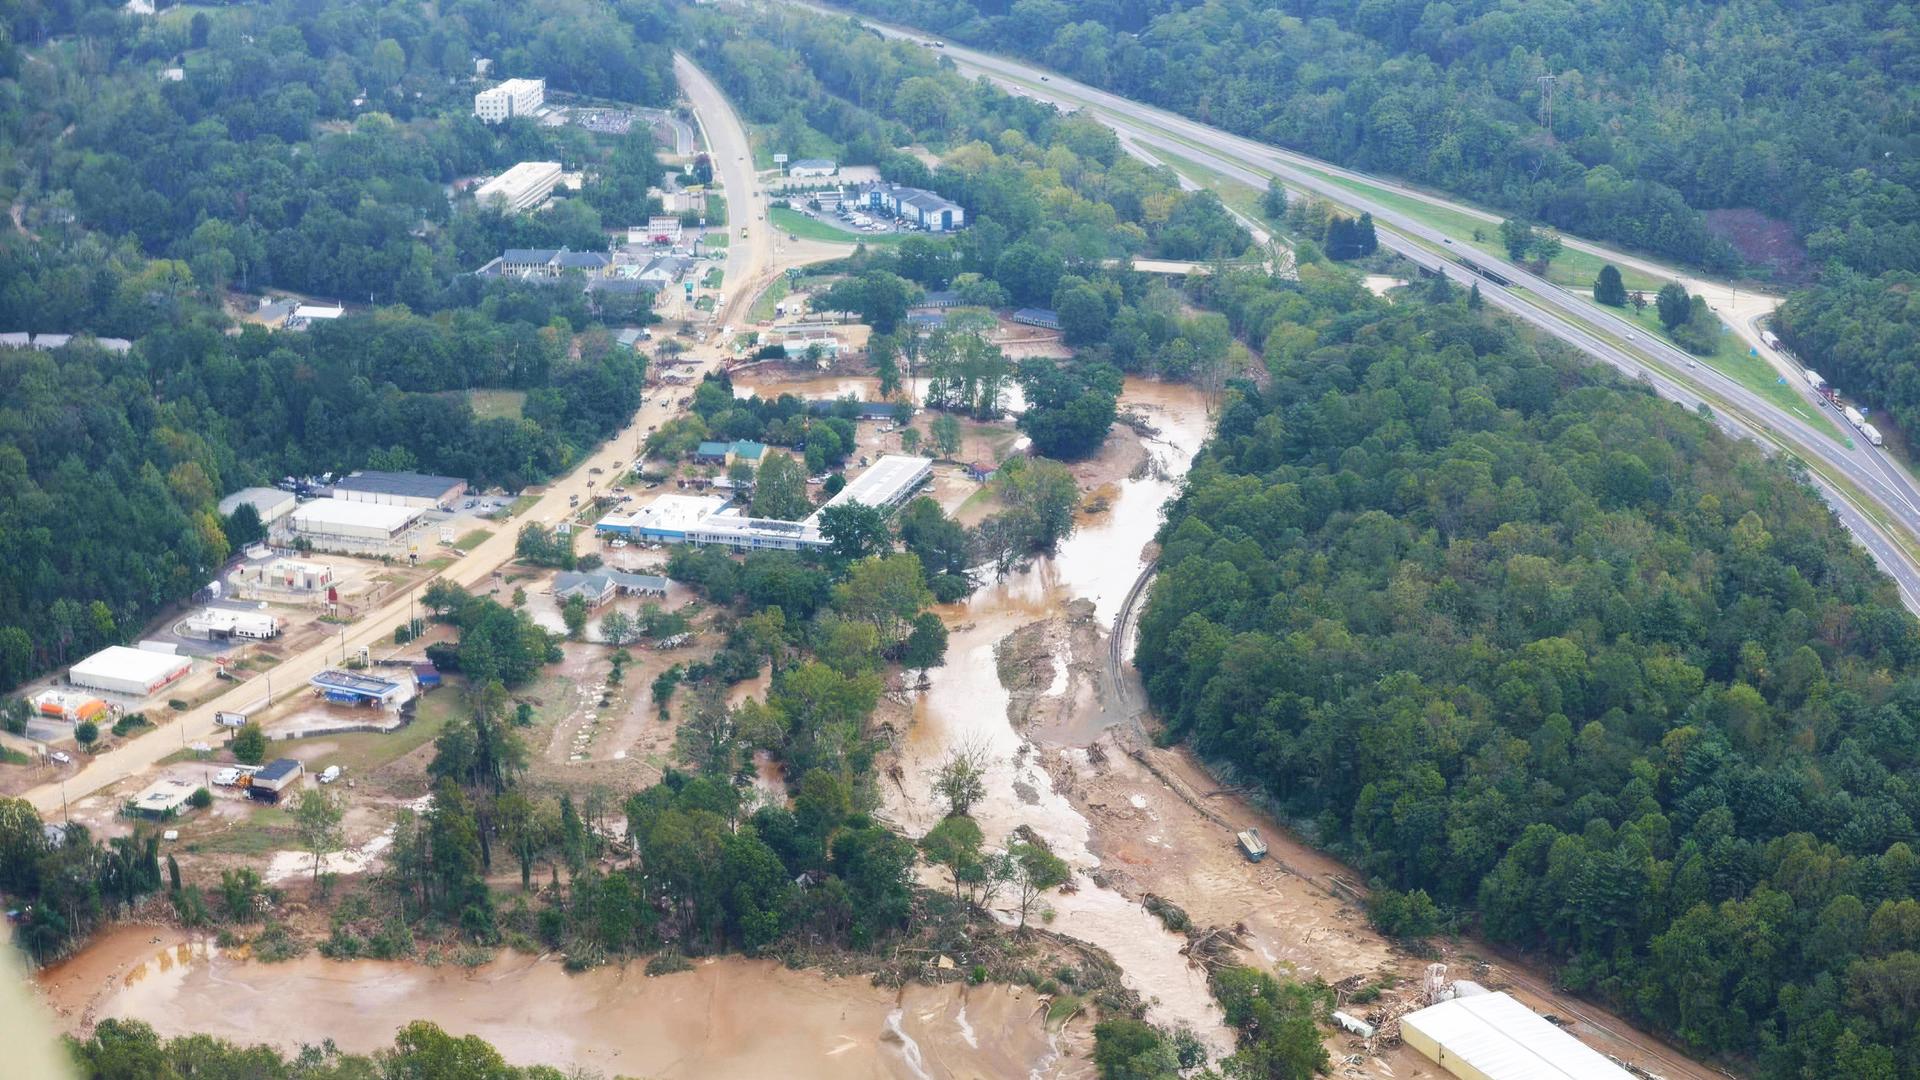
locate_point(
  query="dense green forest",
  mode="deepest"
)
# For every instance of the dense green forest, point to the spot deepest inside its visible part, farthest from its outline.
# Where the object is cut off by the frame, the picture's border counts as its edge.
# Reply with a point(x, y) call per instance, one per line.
point(294, 152)
point(1661, 112)
point(1499, 628)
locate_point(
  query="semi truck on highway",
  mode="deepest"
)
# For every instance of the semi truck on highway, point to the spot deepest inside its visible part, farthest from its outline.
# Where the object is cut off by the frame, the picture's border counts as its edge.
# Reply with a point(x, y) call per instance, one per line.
point(1853, 416)
point(1768, 337)
point(1814, 380)
point(1873, 434)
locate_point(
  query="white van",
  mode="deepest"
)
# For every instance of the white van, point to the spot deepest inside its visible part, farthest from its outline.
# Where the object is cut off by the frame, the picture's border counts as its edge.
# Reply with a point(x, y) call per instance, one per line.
point(330, 774)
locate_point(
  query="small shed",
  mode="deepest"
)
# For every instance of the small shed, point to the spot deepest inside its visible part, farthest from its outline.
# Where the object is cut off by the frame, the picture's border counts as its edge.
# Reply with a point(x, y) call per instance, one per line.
point(1251, 845)
point(275, 779)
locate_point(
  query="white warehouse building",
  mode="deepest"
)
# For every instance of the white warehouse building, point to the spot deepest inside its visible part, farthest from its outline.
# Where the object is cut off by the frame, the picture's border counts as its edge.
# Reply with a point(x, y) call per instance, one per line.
point(271, 504)
point(522, 187)
point(344, 525)
point(515, 97)
point(133, 672)
point(1485, 1036)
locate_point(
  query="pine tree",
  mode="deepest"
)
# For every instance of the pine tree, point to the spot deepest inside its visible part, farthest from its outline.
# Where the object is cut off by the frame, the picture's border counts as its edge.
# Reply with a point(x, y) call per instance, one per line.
point(1608, 289)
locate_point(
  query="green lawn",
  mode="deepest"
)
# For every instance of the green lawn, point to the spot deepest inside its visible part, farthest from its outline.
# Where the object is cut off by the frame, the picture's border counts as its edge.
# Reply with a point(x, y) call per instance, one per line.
point(763, 307)
point(716, 210)
point(795, 223)
point(473, 539)
point(521, 505)
point(497, 404)
point(718, 238)
point(713, 277)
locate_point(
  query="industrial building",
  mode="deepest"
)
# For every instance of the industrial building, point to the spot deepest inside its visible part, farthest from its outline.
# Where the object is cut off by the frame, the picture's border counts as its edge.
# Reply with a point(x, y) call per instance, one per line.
point(293, 575)
point(799, 346)
point(304, 314)
point(659, 230)
point(352, 688)
point(400, 489)
point(522, 187)
point(225, 623)
point(271, 504)
point(807, 168)
point(1483, 1036)
point(665, 519)
point(515, 97)
point(345, 525)
point(117, 669)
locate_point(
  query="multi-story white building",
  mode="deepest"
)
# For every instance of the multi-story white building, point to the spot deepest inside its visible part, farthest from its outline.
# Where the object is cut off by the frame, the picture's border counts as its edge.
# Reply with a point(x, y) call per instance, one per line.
point(515, 97)
point(522, 187)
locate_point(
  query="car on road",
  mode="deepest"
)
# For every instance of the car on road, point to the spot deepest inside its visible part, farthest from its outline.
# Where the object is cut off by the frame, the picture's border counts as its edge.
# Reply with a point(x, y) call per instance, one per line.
point(1629, 337)
point(1043, 78)
point(61, 757)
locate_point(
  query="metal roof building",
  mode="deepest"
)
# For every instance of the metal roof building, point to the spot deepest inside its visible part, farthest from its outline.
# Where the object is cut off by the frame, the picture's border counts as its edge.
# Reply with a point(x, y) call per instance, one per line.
point(1494, 1037)
point(886, 485)
point(351, 688)
point(135, 672)
point(271, 504)
point(665, 518)
point(400, 489)
point(325, 520)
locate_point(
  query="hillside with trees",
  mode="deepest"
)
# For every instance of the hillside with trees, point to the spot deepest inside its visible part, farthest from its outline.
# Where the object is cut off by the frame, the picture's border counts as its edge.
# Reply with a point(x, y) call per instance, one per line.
point(1564, 659)
point(1791, 123)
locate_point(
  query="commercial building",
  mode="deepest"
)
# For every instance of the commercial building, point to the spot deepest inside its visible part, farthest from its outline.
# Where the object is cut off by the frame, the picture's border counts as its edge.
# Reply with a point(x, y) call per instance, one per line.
point(916, 206)
point(223, 623)
point(400, 489)
point(807, 168)
point(305, 314)
point(117, 669)
point(353, 688)
point(665, 519)
point(271, 504)
point(801, 346)
point(890, 482)
point(522, 187)
point(343, 525)
point(293, 575)
point(515, 97)
point(1485, 1036)
point(1040, 317)
point(658, 230)
point(73, 708)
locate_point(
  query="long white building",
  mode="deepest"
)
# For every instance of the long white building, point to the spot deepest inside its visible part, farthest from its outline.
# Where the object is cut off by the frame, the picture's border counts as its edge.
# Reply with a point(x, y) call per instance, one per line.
point(515, 97)
point(134, 672)
point(344, 525)
point(522, 187)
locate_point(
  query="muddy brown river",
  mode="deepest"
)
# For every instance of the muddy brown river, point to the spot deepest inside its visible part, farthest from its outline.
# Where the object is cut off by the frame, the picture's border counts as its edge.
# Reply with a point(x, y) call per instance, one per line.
point(729, 1017)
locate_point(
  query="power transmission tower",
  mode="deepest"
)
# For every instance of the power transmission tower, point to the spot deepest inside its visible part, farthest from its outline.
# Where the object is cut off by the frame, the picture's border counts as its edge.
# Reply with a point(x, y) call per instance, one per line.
point(1546, 100)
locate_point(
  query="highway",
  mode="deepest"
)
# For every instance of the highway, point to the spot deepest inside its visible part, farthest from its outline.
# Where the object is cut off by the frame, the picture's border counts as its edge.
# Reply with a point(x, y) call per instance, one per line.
point(1892, 491)
point(747, 260)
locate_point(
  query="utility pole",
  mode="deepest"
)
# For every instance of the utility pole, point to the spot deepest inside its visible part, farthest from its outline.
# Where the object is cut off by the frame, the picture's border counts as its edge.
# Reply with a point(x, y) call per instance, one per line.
point(1545, 83)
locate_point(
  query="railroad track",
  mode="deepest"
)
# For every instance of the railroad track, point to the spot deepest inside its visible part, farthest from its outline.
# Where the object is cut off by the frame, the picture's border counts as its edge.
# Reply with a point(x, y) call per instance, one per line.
point(1117, 640)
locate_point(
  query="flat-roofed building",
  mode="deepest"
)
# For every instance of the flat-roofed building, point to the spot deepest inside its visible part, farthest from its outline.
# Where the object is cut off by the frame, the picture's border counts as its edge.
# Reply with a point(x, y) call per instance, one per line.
point(134, 672)
point(756, 534)
point(887, 484)
point(515, 97)
point(522, 187)
point(400, 489)
point(163, 799)
point(343, 525)
point(666, 519)
point(222, 623)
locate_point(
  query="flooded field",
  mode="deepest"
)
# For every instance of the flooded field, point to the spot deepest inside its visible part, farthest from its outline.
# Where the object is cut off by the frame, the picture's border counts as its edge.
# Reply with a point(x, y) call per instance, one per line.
point(725, 1018)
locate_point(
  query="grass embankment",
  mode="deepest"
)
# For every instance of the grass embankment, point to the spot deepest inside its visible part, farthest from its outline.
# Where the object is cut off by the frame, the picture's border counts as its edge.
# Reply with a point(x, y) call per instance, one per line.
point(497, 404)
point(762, 309)
point(716, 210)
point(473, 539)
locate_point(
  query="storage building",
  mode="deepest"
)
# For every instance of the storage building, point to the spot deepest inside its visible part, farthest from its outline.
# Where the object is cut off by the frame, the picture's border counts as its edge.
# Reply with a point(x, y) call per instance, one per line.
point(522, 187)
point(889, 482)
point(135, 672)
point(70, 707)
point(400, 489)
point(271, 504)
point(163, 799)
point(275, 778)
point(807, 168)
point(1494, 1037)
point(343, 525)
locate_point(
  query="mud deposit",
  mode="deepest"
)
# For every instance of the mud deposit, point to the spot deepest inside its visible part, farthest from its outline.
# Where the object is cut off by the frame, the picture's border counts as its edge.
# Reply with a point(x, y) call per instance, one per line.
point(726, 1018)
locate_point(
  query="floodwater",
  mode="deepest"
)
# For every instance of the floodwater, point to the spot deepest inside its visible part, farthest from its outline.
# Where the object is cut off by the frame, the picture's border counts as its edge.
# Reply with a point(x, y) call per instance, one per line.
point(771, 384)
point(728, 1017)
point(966, 706)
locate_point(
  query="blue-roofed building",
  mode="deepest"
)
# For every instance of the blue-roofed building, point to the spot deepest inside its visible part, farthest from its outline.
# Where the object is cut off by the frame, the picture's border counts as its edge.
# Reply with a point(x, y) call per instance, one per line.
point(353, 688)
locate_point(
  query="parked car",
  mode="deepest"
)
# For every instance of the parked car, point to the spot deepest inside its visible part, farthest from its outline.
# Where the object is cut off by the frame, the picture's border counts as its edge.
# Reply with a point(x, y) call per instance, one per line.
point(616, 543)
point(61, 757)
point(226, 777)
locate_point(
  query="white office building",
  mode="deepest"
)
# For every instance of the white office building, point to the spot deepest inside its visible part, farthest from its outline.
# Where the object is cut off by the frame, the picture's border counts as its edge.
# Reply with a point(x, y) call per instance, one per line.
point(522, 187)
point(515, 97)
